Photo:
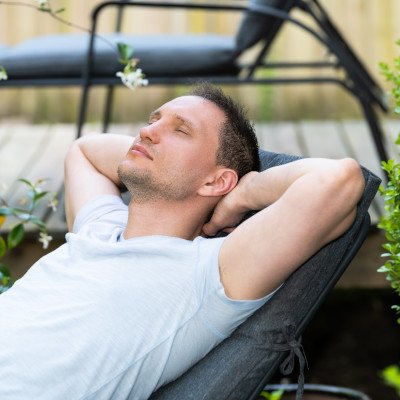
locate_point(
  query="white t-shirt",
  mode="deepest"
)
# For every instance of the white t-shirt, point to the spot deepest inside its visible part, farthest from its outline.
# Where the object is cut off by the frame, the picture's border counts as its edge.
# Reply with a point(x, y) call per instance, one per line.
point(106, 318)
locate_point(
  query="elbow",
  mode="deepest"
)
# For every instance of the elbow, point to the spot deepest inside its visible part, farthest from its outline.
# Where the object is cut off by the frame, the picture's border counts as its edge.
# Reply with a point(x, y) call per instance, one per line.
point(76, 150)
point(354, 177)
point(77, 144)
point(350, 180)
point(347, 188)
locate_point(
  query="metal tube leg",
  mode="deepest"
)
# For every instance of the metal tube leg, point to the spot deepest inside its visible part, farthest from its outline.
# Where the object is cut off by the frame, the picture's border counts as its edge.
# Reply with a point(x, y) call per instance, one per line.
point(108, 107)
point(376, 131)
point(82, 109)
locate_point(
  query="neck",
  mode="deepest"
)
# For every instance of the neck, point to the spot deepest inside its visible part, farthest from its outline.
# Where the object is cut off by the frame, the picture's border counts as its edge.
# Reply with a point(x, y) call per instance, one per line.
point(179, 219)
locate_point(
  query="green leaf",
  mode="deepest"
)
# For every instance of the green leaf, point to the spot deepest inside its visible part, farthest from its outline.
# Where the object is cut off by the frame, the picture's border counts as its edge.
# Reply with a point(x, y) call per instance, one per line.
point(125, 52)
point(37, 196)
point(3, 247)
point(382, 269)
point(4, 270)
point(275, 395)
point(391, 376)
point(15, 236)
point(3, 73)
point(37, 221)
point(60, 10)
point(28, 183)
point(6, 211)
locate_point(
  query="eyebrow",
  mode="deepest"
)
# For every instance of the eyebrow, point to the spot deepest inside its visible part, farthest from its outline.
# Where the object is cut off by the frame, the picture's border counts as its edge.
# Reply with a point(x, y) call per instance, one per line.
point(157, 113)
point(186, 122)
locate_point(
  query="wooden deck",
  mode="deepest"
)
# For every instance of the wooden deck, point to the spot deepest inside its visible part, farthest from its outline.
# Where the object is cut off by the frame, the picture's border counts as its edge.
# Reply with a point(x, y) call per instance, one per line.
point(37, 151)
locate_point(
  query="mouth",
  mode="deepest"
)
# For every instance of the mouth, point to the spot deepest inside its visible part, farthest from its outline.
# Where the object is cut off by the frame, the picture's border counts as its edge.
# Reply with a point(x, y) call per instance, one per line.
point(140, 150)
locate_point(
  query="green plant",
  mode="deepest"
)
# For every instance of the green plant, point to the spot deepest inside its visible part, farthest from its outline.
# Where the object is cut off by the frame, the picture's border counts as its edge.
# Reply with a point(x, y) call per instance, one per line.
point(275, 395)
point(390, 221)
point(22, 215)
point(391, 376)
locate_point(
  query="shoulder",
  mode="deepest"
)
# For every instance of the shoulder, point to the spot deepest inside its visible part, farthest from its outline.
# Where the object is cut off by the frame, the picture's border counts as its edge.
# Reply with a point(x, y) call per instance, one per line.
point(109, 209)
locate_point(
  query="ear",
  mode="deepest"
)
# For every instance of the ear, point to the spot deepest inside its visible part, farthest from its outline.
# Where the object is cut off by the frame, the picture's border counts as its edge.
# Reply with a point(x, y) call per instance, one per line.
point(220, 183)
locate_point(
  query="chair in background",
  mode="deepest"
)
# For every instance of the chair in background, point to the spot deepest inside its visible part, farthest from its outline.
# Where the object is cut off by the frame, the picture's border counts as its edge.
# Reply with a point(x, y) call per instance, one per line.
point(184, 59)
point(241, 366)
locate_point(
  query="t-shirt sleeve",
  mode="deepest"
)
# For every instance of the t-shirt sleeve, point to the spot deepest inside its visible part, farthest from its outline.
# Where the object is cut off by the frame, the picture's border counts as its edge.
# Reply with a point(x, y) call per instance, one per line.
point(221, 313)
point(106, 208)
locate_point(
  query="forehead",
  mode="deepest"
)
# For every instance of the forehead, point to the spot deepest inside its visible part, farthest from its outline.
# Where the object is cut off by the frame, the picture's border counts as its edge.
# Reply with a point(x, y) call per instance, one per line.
point(202, 113)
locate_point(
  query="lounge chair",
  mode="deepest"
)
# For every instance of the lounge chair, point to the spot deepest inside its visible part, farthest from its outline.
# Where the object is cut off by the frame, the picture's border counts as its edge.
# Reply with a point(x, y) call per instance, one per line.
point(241, 366)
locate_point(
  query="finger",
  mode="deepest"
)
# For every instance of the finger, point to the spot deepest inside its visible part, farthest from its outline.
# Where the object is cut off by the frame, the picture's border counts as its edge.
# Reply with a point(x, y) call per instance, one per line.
point(209, 229)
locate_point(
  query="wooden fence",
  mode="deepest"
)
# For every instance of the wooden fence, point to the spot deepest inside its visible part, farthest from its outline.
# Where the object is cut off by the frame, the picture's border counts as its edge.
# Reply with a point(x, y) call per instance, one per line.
point(370, 27)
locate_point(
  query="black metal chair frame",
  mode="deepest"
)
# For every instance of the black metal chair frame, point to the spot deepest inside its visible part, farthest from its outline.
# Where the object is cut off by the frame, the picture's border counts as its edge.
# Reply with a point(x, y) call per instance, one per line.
point(326, 390)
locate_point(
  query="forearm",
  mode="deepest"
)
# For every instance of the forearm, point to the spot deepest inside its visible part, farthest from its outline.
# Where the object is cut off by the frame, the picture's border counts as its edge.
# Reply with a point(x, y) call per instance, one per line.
point(319, 182)
point(104, 152)
point(266, 187)
point(91, 170)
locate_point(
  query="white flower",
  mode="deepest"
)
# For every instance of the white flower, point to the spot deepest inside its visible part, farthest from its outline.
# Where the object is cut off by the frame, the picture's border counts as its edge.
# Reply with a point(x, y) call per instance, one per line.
point(23, 201)
point(43, 3)
point(53, 204)
point(24, 216)
point(3, 74)
point(45, 239)
point(133, 79)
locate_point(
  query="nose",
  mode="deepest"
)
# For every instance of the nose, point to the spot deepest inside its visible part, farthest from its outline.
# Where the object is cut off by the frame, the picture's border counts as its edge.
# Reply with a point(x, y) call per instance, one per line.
point(150, 132)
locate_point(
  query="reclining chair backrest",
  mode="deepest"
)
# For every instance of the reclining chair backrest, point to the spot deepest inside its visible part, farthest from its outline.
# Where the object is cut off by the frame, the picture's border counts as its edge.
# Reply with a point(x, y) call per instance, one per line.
point(255, 27)
point(242, 364)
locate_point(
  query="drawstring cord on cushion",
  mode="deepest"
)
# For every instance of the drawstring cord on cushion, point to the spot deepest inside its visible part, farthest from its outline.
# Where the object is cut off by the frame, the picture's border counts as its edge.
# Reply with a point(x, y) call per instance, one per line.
point(295, 349)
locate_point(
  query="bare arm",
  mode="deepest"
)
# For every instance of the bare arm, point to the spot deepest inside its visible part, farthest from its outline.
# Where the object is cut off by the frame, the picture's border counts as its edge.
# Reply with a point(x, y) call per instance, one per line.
point(91, 169)
point(304, 205)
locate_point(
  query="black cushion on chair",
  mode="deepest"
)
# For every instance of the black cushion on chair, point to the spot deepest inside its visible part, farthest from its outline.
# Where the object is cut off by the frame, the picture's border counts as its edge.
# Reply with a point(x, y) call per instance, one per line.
point(236, 369)
point(255, 26)
point(168, 55)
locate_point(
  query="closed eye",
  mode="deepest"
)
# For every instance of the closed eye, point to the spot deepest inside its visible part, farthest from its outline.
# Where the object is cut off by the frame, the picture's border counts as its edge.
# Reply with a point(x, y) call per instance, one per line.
point(151, 121)
point(154, 116)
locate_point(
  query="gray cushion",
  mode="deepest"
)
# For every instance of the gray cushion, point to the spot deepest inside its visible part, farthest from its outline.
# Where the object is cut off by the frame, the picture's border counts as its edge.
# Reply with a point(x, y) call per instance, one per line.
point(171, 55)
point(236, 368)
point(255, 26)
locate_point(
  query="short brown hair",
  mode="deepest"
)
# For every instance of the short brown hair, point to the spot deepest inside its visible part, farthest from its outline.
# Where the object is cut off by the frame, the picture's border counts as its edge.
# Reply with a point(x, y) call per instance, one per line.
point(238, 146)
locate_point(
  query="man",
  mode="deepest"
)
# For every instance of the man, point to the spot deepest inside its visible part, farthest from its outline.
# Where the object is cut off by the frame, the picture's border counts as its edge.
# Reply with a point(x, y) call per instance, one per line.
point(138, 294)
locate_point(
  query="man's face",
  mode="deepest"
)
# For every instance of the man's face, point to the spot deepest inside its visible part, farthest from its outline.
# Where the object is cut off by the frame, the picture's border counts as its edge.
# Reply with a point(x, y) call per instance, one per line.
point(175, 152)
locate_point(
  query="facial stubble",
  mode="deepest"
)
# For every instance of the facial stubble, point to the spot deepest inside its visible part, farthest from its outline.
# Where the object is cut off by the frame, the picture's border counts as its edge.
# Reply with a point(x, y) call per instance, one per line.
point(145, 187)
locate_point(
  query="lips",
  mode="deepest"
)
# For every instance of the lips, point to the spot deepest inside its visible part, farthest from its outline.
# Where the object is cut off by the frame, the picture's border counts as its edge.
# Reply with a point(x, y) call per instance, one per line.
point(141, 150)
